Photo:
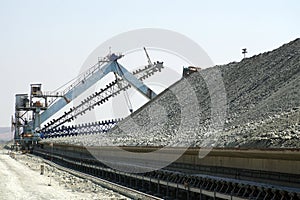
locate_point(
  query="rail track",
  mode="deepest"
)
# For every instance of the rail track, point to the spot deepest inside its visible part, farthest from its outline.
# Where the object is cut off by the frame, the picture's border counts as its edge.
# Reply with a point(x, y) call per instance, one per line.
point(126, 191)
point(189, 178)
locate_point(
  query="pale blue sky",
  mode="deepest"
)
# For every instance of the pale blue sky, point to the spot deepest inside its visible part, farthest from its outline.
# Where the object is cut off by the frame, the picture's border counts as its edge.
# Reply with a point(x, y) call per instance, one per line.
point(48, 40)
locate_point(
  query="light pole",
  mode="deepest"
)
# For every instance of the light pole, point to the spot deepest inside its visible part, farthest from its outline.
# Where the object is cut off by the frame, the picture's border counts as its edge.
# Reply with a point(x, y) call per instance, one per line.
point(244, 51)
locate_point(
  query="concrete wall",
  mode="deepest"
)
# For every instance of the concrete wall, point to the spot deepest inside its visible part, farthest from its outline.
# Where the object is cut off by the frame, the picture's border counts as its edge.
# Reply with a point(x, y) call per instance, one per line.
point(284, 161)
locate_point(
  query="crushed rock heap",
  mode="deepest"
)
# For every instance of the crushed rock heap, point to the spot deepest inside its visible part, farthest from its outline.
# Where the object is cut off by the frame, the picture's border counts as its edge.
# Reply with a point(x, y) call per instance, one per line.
point(262, 108)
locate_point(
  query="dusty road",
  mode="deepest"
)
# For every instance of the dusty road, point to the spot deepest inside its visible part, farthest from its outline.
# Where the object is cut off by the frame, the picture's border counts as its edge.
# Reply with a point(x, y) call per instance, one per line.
point(19, 182)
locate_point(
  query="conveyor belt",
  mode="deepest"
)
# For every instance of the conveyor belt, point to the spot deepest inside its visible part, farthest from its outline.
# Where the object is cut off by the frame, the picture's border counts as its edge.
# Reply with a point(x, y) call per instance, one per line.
point(178, 180)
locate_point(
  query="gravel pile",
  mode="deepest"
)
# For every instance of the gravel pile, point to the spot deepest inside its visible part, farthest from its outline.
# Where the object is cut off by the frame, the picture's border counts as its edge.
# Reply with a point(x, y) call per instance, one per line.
point(262, 101)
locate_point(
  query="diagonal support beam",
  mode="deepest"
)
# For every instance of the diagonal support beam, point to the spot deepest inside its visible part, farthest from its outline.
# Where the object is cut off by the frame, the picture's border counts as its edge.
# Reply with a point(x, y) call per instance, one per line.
point(136, 83)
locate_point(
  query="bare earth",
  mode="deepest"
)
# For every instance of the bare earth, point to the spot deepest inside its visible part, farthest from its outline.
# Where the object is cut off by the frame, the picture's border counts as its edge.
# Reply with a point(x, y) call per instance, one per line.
point(18, 182)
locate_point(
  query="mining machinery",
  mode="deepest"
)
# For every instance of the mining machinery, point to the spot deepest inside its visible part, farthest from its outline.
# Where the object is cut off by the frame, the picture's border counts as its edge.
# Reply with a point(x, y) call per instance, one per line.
point(32, 110)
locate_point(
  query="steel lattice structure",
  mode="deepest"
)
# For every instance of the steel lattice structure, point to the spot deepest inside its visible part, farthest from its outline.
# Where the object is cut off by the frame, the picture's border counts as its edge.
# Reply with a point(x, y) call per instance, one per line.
point(81, 129)
point(100, 97)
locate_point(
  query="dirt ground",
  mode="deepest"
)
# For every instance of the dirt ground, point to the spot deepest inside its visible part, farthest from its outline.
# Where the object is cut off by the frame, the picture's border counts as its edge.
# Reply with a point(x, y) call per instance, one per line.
point(20, 179)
